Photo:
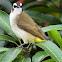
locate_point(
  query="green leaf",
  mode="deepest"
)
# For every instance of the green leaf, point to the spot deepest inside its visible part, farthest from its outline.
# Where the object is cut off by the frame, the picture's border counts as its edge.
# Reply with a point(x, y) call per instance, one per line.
point(1, 31)
point(2, 49)
point(43, 18)
point(22, 60)
point(53, 27)
point(60, 17)
point(49, 60)
point(49, 4)
point(1, 42)
point(54, 34)
point(1, 54)
point(53, 3)
point(43, 9)
point(7, 38)
point(18, 60)
point(5, 24)
point(30, 4)
point(56, 2)
point(39, 56)
point(52, 50)
point(10, 55)
point(26, 60)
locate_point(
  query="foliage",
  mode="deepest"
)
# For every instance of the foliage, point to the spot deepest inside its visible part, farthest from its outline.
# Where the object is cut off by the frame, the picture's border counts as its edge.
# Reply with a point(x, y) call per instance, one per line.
point(42, 12)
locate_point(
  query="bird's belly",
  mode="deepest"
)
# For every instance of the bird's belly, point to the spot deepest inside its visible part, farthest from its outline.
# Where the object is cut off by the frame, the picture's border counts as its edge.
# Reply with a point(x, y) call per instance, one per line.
point(19, 33)
point(27, 37)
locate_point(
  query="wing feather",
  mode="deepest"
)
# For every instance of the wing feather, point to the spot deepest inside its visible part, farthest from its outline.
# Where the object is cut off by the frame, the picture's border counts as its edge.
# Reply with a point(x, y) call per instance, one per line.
point(26, 23)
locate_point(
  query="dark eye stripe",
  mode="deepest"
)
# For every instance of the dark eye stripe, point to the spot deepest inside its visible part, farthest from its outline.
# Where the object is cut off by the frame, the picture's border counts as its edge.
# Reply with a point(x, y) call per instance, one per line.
point(15, 6)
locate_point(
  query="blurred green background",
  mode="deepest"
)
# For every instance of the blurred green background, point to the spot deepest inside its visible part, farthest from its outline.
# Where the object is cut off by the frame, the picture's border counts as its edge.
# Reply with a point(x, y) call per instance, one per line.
point(44, 13)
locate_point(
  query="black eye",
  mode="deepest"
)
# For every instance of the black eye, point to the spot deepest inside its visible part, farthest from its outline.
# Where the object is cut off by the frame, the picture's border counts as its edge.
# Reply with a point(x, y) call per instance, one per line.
point(15, 6)
point(20, 6)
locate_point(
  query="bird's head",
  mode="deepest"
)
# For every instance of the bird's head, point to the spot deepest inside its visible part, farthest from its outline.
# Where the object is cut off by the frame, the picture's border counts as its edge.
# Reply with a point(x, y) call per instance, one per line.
point(17, 7)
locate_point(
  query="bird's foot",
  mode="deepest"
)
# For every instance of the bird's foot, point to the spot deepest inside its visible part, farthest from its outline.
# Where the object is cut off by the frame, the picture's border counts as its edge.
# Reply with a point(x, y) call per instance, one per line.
point(27, 48)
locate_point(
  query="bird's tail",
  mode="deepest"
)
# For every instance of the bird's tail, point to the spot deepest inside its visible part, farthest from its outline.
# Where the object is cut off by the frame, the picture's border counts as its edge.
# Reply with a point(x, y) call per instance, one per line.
point(38, 40)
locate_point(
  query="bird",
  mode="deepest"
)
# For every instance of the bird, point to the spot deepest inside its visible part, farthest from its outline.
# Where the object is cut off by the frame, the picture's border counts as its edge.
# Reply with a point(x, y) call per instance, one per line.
point(24, 26)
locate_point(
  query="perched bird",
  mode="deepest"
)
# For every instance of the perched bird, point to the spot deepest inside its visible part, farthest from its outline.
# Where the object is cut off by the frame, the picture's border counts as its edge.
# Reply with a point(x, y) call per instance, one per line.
point(24, 27)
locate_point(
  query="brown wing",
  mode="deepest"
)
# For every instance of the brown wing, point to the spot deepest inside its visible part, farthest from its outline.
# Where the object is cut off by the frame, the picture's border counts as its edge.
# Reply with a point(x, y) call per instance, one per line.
point(26, 23)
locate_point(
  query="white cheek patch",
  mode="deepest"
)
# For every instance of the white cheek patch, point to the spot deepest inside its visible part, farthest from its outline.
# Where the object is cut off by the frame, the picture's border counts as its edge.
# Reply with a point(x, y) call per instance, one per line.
point(15, 4)
point(20, 4)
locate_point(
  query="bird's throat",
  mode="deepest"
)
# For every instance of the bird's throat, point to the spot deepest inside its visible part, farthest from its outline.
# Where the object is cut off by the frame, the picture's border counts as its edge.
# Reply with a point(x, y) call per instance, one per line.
point(17, 11)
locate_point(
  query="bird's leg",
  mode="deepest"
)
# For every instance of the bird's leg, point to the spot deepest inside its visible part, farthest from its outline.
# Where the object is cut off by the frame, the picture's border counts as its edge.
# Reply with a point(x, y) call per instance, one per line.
point(27, 46)
point(20, 45)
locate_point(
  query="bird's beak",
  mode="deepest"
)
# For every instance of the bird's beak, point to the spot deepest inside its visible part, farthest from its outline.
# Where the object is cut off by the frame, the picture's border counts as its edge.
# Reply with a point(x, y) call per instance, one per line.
point(18, 6)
